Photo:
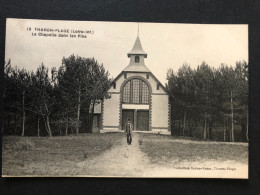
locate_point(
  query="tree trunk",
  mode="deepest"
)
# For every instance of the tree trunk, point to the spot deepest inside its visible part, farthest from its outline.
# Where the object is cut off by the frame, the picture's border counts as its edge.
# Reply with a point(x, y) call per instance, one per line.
point(44, 121)
point(243, 129)
point(232, 120)
point(228, 128)
point(78, 110)
point(205, 129)
point(23, 114)
point(67, 126)
point(38, 127)
point(179, 128)
point(48, 125)
point(224, 129)
point(210, 128)
point(15, 130)
point(189, 128)
point(184, 121)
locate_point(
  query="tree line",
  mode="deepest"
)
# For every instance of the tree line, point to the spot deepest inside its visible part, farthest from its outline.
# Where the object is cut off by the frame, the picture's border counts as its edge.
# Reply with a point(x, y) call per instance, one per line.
point(209, 103)
point(53, 102)
point(205, 102)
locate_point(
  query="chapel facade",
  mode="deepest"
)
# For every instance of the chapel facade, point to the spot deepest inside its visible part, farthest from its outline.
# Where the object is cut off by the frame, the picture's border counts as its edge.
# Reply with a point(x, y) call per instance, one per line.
point(135, 94)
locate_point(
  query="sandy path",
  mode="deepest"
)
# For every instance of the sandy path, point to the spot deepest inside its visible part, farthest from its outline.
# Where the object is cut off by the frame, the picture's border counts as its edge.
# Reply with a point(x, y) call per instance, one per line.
point(129, 161)
point(122, 160)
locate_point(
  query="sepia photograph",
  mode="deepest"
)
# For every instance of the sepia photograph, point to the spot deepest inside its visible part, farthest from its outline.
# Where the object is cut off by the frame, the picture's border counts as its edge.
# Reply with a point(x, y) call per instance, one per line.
point(125, 99)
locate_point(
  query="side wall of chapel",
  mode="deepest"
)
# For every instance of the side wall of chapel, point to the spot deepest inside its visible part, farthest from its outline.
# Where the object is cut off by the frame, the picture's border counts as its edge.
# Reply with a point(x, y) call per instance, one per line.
point(111, 114)
point(159, 112)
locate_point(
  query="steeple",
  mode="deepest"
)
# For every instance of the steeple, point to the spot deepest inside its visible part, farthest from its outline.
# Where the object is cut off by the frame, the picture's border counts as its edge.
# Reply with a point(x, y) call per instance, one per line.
point(137, 49)
point(137, 55)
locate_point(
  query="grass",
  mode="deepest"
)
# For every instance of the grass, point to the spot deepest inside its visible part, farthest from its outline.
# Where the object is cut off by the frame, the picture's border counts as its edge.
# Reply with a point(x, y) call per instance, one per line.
point(75, 155)
point(161, 149)
point(46, 156)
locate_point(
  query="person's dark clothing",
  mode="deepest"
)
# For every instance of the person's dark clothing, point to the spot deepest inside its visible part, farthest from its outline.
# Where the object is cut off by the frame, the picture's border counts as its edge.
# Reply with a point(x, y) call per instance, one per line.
point(128, 130)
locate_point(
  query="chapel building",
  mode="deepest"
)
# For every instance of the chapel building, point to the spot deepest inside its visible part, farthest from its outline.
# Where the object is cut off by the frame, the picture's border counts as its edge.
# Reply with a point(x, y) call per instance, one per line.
point(135, 94)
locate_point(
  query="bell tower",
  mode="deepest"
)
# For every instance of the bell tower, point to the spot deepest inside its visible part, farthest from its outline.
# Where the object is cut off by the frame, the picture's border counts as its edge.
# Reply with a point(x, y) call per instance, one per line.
point(137, 54)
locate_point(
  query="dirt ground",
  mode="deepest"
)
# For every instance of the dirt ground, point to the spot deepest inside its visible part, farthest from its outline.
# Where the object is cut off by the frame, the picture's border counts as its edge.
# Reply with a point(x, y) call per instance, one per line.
point(130, 161)
point(123, 160)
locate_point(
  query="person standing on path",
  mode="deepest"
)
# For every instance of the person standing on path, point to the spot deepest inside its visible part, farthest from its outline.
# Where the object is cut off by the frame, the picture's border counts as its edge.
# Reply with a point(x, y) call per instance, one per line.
point(128, 130)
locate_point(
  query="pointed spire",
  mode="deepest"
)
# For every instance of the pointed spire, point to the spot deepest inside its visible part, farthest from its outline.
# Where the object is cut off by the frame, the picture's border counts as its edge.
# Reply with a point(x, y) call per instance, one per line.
point(137, 49)
point(137, 66)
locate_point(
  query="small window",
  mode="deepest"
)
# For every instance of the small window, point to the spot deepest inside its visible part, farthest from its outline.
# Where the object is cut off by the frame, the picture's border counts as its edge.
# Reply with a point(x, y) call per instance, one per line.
point(125, 76)
point(114, 85)
point(158, 86)
point(147, 76)
point(137, 59)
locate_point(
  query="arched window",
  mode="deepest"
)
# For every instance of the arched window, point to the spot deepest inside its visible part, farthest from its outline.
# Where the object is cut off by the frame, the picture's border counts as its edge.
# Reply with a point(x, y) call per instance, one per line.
point(137, 59)
point(136, 91)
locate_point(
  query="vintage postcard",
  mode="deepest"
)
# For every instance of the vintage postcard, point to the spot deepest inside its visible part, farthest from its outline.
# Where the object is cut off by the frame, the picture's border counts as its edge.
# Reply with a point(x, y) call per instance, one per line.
point(125, 99)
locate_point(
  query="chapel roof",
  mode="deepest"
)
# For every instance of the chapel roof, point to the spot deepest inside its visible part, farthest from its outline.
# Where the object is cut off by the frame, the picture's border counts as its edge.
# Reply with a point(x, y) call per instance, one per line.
point(136, 68)
point(137, 49)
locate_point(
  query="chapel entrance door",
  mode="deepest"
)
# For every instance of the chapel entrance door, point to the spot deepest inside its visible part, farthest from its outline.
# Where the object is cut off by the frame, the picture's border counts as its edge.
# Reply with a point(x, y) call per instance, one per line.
point(127, 114)
point(143, 120)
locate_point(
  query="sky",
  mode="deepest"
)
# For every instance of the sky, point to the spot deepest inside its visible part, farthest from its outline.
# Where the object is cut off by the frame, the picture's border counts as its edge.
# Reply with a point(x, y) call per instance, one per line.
point(168, 45)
